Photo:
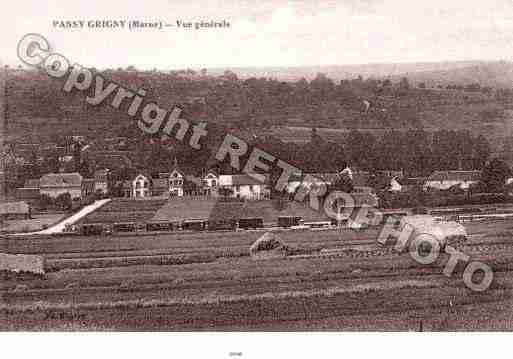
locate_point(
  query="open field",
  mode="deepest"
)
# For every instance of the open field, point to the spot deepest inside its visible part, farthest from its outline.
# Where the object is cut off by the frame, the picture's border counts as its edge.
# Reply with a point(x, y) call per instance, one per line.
point(124, 210)
point(207, 281)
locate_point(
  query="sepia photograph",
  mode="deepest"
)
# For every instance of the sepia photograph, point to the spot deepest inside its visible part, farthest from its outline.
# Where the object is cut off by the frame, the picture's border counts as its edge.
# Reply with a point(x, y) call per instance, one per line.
point(309, 168)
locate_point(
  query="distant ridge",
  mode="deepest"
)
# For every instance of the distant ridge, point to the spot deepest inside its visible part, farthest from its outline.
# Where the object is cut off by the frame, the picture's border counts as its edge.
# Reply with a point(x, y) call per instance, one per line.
point(343, 72)
point(498, 74)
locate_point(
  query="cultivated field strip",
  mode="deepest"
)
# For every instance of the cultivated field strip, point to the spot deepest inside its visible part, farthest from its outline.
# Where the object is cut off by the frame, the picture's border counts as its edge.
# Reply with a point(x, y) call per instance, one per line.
point(128, 282)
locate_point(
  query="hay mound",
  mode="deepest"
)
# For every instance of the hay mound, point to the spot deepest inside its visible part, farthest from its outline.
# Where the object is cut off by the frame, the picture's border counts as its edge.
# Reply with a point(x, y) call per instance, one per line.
point(268, 246)
point(445, 232)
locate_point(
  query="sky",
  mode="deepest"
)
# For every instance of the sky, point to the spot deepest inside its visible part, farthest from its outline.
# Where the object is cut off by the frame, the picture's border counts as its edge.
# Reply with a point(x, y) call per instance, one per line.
point(266, 33)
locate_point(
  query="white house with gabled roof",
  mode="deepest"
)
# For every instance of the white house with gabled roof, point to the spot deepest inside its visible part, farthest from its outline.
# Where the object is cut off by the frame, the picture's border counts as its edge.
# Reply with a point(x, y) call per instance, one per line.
point(210, 184)
point(176, 180)
point(141, 186)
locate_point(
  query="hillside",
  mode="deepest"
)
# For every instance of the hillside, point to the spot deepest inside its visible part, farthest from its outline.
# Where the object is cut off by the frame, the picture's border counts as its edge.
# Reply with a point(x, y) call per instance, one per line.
point(346, 72)
point(37, 109)
point(495, 74)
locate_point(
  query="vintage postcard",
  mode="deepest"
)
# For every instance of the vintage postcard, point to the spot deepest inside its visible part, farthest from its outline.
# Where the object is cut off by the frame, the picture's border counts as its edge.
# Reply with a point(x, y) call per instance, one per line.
point(240, 166)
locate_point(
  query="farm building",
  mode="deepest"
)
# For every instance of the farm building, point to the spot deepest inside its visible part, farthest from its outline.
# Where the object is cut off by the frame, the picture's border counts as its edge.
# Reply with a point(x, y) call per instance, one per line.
point(310, 180)
point(442, 180)
point(55, 184)
point(406, 184)
point(360, 179)
point(14, 210)
point(245, 187)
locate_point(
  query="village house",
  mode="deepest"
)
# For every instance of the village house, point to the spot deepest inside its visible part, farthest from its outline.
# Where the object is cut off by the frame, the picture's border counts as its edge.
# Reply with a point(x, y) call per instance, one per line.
point(101, 181)
point(406, 184)
point(176, 183)
point(172, 184)
point(360, 180)
point(443, 180)
point(55, 184)
point(88, 186)
point(210, 184)
point(140, 186)
point(14, 210)
point(244, 187)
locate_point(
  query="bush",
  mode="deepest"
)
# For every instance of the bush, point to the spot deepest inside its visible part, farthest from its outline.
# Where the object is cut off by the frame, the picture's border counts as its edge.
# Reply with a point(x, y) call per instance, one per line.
point(63, 201)
point(44, 201)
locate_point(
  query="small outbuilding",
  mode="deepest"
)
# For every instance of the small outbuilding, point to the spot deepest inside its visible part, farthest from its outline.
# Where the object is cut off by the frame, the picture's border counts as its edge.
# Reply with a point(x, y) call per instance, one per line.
point(14, 210)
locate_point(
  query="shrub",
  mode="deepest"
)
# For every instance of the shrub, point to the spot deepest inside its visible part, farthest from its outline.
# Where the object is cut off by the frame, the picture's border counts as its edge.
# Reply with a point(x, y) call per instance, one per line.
point(268, 245)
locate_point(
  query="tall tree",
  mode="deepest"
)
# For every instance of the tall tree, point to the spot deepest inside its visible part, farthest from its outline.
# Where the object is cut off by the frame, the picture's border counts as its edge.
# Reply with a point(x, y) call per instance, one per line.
point(494, 175)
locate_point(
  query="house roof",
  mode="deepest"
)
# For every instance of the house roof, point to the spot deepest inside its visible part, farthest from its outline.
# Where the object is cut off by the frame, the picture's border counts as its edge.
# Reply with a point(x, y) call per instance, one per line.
point(327, 177)
point(410, 181)
point(210, 173)
point(177, 170)
point(145, 174)
point(101, 172)
point(14, 208)
point(61, 180)
point(455, 176)
point(359, 178)
point(240, 180)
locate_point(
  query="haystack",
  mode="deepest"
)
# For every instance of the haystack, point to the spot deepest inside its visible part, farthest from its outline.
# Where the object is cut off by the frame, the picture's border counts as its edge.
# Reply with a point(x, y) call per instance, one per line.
point(446, 232)
point(268, 246)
